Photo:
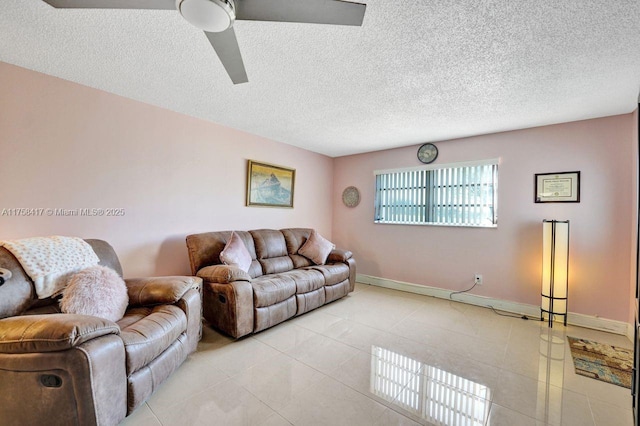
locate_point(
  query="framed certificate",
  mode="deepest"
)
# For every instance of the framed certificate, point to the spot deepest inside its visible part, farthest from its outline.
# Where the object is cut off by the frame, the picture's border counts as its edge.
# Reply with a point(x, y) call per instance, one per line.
point(561, 187)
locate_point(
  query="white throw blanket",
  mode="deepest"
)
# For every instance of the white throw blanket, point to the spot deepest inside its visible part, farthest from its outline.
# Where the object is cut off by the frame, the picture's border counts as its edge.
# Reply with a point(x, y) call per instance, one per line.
point(50, 261)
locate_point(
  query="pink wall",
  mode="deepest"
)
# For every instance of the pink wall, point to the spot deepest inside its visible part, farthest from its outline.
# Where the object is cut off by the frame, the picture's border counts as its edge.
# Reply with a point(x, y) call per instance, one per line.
point(634, 222)
point(509, 256)
point(67, 146)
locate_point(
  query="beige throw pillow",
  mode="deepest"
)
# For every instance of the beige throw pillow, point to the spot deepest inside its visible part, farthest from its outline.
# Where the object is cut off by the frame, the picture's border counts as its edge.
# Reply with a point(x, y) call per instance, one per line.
point(235, 253)
point(98, 291)
point(316, 248)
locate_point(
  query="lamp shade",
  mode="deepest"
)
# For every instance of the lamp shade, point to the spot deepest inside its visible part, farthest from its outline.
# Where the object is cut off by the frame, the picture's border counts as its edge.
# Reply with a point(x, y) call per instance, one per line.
point(555, 268)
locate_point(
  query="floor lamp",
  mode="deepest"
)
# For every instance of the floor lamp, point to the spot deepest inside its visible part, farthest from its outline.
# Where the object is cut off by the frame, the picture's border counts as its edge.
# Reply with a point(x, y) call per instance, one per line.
point(555, 269)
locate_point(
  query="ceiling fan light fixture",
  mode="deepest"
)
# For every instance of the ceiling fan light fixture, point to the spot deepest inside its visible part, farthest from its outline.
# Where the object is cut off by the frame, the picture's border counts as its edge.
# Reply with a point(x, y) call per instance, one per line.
point(209, 15)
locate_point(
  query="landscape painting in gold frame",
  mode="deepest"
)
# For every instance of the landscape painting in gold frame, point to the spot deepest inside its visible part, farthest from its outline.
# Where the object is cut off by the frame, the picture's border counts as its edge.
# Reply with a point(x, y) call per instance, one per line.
point(269, 185)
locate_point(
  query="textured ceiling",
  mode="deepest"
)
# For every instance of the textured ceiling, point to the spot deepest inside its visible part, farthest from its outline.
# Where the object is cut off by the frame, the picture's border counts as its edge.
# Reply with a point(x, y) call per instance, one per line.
point(416, 71)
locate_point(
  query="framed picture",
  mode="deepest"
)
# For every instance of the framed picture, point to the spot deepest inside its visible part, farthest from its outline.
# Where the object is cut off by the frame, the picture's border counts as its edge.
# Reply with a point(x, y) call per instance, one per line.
point(561, 187)
point(269, 185)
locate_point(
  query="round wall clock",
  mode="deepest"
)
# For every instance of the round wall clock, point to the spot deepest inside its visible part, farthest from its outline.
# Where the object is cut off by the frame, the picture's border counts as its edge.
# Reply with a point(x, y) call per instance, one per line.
point(351, 196)
point(427, 153)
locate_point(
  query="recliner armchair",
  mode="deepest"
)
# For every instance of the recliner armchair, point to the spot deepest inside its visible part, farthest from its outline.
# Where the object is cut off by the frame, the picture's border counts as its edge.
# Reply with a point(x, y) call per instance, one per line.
point(72, 369)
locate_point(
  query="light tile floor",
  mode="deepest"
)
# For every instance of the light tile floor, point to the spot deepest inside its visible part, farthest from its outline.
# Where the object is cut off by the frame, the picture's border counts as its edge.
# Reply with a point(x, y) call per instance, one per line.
point(384, 357)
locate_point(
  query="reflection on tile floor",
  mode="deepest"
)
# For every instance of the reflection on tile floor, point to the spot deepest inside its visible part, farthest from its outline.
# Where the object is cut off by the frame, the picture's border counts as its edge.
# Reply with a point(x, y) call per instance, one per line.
point(384, 357)
point(428, 392)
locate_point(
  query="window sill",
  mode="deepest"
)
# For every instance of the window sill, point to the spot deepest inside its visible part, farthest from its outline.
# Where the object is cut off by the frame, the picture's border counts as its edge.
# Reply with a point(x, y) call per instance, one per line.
point(454, 225)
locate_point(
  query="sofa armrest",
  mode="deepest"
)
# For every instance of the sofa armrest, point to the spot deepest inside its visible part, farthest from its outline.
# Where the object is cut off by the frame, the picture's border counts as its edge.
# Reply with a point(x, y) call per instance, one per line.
point(229, 307)
point(159, 290)
point(223, 274)
point(51, 332)
point(338, 255)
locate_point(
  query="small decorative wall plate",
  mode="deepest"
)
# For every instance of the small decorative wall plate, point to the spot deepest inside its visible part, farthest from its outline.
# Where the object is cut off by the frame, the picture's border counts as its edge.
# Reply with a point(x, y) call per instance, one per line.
point(427, 153)
point(351, 196)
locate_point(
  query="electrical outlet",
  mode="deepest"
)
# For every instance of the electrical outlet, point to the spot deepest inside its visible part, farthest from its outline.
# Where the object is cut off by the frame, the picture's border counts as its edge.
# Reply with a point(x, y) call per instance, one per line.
point(477, 279)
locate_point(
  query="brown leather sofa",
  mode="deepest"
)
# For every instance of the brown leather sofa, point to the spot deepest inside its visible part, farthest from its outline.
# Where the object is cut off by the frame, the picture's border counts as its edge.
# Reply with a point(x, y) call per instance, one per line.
point(280, 283)
point(66, 369)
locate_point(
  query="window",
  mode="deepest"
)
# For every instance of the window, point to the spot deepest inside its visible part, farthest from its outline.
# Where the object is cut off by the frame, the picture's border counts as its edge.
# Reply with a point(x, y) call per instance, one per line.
point(462, 194)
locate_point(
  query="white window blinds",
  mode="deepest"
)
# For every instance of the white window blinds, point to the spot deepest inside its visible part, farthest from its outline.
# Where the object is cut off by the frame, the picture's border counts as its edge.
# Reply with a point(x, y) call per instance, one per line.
point(463, 194)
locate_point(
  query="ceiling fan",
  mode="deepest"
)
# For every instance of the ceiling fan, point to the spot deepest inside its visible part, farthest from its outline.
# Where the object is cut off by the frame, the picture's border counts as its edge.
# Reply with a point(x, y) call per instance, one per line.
point(216, 18)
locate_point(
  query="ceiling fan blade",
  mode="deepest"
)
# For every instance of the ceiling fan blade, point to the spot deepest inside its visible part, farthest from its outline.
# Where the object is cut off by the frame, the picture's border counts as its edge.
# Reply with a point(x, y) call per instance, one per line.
point(114, 4)
point(226, 46)
point(334, 12)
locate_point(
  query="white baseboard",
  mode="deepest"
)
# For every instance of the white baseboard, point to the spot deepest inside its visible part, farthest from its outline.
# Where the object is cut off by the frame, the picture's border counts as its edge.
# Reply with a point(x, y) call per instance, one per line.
point(581, 320)
point(630, 332)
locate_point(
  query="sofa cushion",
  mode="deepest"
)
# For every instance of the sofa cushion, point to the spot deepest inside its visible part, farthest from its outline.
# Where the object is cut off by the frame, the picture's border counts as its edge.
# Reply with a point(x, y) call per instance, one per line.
point(271, 251)
point(336, 291)
point(149, 331)
point(317, 248)
point(269, 243)
point(295, 238)
point(97, 291)
point(271, 289)
point(269, 316)
point(276, 265)
point(333, 273)
point(144, 382)
point(204, 250)
point(309, 301)
point(306, 279)
point(299, 261)
point(235, 253)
